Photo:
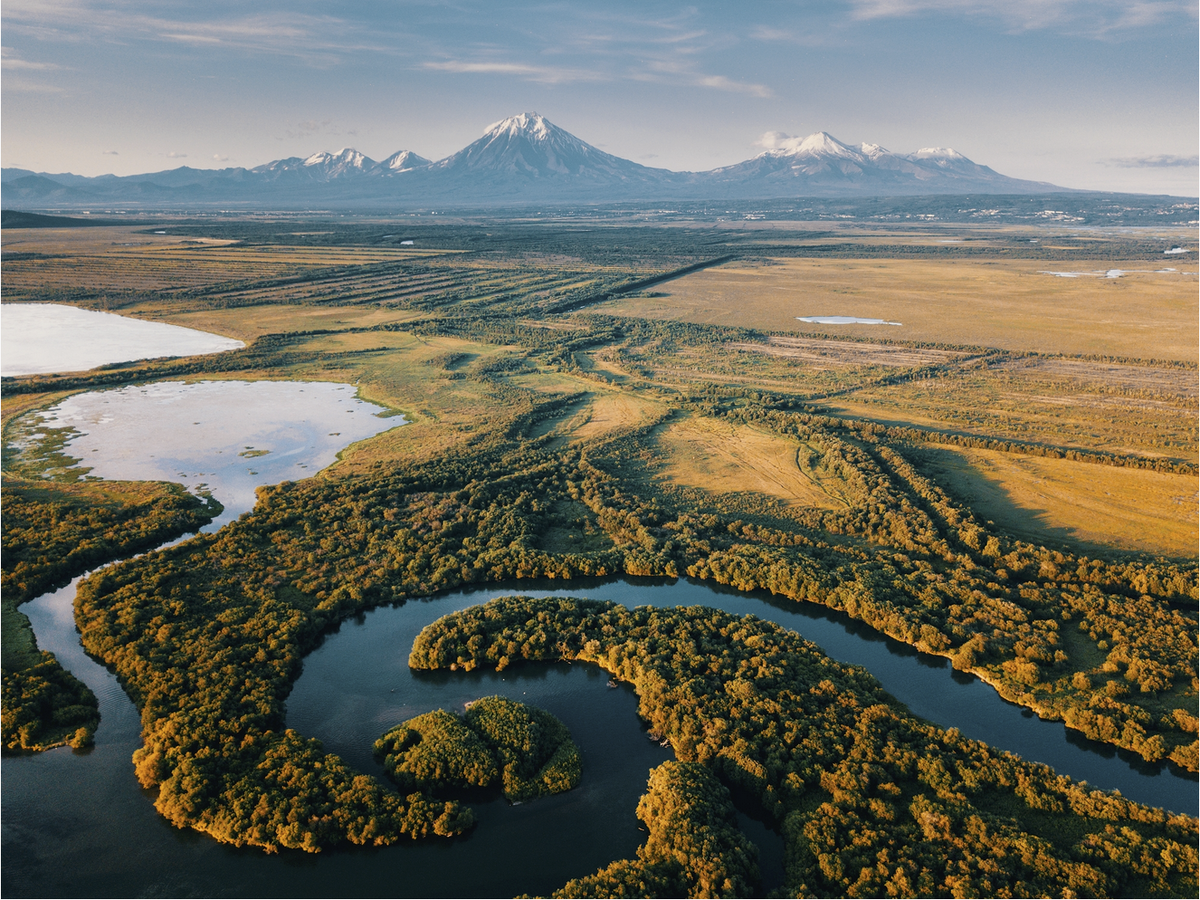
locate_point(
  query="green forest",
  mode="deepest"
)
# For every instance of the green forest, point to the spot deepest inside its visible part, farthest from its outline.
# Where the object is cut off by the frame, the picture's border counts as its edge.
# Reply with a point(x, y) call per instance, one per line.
point(52, 533)
point(524, 751)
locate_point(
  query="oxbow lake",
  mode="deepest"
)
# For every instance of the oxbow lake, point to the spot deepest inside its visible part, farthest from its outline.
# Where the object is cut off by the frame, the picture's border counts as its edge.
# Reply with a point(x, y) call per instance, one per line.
point(40, 338)
point(77, 824)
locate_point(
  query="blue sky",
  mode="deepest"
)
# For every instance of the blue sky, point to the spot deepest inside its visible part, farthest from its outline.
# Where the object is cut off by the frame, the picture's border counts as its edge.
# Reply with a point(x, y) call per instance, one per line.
point(1083, 93)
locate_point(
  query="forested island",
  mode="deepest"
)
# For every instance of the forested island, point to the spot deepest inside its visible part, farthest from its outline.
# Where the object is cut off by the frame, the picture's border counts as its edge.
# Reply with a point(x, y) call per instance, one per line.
point(524, 751)
point(566, 424)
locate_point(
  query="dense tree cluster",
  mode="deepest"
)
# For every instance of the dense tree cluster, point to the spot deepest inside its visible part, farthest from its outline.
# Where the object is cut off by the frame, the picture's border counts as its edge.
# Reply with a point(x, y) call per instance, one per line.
point(54, 531)
point(46, 706)
point(694, 848)
point(996, 606)
point(213, 744)
point(870, 800)
point(526, 751)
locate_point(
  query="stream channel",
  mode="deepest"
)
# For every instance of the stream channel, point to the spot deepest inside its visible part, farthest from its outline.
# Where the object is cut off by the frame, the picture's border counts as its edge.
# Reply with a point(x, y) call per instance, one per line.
point(77, 824)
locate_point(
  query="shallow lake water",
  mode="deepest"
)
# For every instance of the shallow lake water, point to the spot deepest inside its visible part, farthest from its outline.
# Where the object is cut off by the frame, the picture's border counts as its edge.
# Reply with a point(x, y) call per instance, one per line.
point(39, 338)
point(77, 824)
point(225, 437)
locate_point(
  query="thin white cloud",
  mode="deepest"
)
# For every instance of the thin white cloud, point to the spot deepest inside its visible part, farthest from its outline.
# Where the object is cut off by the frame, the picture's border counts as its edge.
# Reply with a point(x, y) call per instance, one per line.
point(542, 74)
point(318, 39)
point(778, 140)
point(684, 72)
point(192, 38)
point(11, 62)
point(24, 65)
point(174, 155)
point(220, 157)
point(721, 83)
point(1160, 161)
point(1093, 18)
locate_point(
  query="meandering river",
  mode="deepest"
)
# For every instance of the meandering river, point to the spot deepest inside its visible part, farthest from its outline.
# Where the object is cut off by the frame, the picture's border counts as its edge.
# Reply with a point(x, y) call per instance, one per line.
point(77, 824)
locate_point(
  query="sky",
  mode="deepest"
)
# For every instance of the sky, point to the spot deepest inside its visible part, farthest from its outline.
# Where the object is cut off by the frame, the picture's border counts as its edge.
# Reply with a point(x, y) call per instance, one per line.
point(1092, 94)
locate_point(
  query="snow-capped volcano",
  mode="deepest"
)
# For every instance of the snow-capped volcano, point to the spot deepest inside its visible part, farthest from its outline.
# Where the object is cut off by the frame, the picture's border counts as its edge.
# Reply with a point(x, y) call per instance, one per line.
point(529, 147)
point(820, 164)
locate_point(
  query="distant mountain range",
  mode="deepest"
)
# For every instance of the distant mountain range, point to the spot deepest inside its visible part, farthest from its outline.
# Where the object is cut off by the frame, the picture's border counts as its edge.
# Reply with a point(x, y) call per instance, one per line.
point(525, 159)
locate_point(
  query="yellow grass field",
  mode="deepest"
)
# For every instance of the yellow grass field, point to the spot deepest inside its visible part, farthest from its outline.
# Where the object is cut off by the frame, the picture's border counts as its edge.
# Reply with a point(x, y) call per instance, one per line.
point(1056, 501)
point(1008, 304)
point(248, 323)
point(721, 457)
point(600, 413)
point(609, 412)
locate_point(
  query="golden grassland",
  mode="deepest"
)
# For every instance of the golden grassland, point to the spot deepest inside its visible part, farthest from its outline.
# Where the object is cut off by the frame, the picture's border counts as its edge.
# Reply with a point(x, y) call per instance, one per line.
point(975, 403)
point(1082, 404)
point(721, 457)
point(609, 412)
point(1058, 501)
point(1053, 501)
point(1002, 303)
point(1090, 404)
point(1062, 402)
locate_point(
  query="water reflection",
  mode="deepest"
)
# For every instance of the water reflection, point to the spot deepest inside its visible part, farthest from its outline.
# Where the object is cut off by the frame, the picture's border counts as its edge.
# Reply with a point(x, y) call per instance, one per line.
point(226, 437)
point(40, 338)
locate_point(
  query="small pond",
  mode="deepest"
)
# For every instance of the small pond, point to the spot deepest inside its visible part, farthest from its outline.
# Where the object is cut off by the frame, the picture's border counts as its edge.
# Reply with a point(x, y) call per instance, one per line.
point(844, 320)
point(40, 338)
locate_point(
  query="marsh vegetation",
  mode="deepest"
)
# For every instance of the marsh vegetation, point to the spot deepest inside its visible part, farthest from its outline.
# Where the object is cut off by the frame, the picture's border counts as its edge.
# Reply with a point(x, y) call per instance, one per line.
point(568, 421)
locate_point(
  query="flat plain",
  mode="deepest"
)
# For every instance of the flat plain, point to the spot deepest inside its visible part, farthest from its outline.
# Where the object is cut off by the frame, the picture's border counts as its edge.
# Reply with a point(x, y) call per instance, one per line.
point(1149, 311)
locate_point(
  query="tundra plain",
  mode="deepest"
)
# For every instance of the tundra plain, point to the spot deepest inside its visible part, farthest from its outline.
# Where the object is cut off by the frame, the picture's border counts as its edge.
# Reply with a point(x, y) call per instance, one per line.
point(1008, 480)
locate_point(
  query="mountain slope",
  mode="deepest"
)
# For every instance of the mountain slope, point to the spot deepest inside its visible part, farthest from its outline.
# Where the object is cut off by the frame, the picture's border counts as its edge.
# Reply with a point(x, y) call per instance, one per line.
point(821, 165)
point(528, 148)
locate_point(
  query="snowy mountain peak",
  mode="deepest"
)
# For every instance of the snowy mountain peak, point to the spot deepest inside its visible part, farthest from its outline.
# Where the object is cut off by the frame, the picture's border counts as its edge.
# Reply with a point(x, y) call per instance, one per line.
point(529, 125)
point(347, 158)
point(818, 145)
point(823, 144)
point(528, 147)
point(937, 153)
point(402, 161)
